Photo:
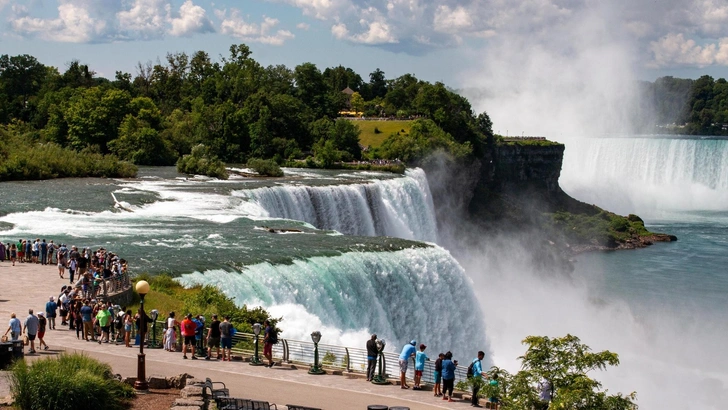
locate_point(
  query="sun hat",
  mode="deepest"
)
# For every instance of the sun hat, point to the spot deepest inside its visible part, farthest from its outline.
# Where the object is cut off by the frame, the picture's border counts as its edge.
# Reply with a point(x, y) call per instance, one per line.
point(413, 342)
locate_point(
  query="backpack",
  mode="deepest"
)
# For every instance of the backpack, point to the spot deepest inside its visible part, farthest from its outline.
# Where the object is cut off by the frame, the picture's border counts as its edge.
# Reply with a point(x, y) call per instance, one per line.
point(471, 370)
point(273, 336)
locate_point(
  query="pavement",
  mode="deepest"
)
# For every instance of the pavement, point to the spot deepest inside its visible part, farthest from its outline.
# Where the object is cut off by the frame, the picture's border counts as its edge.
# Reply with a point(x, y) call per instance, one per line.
point(25, 286)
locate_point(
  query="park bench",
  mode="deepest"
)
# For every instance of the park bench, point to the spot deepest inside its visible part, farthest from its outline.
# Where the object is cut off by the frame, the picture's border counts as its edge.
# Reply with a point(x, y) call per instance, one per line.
point(216, 393)
point(232, 403)
point(297, 407)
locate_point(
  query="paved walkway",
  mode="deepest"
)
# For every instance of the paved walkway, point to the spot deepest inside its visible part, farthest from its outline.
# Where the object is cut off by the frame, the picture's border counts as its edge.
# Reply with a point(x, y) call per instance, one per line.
point(25, 286)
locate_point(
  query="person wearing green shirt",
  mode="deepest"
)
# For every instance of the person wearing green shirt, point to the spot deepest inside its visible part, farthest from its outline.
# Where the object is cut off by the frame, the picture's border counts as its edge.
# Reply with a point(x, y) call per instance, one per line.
point(103, 317)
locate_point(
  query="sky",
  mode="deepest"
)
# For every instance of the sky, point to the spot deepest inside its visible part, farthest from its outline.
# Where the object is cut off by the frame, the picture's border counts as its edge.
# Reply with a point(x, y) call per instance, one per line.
point(444, 40)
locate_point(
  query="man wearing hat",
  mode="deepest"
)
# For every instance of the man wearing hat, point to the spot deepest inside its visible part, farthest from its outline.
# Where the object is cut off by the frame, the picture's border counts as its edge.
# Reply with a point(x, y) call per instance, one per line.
point(407, 351)
point(372, 353)
point(50, 310)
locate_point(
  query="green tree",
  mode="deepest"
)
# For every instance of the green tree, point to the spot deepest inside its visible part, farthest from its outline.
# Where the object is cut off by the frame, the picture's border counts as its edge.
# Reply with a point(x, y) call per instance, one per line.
point(94, 116)
point(357, 102)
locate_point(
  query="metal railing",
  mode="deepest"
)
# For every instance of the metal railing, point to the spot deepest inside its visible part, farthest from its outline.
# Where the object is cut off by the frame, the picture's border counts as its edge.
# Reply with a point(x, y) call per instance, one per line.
point(332, 357)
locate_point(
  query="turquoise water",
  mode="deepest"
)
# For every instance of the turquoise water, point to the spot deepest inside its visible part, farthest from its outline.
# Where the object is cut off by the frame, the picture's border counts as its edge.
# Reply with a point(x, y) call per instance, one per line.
point(367, 257)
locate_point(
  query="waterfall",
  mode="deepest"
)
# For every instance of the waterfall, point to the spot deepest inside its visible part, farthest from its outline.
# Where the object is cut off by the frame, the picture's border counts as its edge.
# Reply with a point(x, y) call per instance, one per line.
point(417, 293)
point(648, 174)
point(400, 207)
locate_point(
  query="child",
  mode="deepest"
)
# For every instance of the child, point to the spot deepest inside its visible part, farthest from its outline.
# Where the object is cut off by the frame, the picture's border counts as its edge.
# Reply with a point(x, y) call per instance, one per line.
point(420, 359)
point(438, 374)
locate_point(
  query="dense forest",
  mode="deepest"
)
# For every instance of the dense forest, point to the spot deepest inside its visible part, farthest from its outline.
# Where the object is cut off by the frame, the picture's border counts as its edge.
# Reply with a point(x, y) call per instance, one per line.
point(234, 110)
point(685, 106)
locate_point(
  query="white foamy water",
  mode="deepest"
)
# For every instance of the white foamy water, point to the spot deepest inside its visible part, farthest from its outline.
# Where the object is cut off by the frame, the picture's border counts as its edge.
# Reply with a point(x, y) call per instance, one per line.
point(648, 175)
point(420, 293)
point(400, 207)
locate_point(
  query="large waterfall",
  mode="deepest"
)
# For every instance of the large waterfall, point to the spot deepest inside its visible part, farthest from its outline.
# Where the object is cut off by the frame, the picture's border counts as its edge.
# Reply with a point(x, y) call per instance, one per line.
point(648, 174)
point(400, 207)
point(419, 293)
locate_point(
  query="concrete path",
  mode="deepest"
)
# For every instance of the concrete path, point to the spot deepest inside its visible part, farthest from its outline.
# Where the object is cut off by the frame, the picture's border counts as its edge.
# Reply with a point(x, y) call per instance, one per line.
point(25, 286)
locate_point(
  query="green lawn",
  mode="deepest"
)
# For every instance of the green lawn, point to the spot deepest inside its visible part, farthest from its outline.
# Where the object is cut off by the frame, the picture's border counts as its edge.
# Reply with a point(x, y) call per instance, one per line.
point(369, 138)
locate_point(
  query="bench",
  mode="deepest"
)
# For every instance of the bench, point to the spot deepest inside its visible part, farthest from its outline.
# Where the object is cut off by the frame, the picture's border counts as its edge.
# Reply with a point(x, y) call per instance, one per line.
point(297, 407)
point(232, 403)
point(216, 393)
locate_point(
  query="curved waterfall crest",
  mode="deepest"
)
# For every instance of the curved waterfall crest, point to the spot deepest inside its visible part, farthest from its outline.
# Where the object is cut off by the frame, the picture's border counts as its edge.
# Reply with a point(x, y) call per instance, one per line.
point(417, 293)
point(399, 207)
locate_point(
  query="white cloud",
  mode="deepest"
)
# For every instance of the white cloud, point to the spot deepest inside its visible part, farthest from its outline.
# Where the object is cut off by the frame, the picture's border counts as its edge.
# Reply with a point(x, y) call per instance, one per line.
point(75, 23)
point(234, 25)
point(192, 19)
point(89, 21)
point(676, 50)
point(303, 26)
point(147, 19)
point(452, 21)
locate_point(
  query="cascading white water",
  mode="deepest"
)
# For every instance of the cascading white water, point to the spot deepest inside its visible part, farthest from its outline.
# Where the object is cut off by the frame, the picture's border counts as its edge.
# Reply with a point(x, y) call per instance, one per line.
point(400, 207)
point(419, 293)
point(648, 174)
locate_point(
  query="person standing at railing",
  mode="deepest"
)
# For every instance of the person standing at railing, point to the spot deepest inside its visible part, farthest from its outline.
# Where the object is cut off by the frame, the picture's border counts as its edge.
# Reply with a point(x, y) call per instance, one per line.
point(269, 338)
point(477, 379)
point(187, 327)
point(372, 353)
point(407, 351)
point(169, 335)
point(438, 374)
point(420, 359)
point(448, 376)
point(226, 339)
point(213, 338)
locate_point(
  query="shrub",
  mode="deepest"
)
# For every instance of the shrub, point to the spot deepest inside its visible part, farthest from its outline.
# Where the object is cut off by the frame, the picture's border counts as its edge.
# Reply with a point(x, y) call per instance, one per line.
point(265, 167)
point(377, 131)
point(68, 382)
point(202, 162)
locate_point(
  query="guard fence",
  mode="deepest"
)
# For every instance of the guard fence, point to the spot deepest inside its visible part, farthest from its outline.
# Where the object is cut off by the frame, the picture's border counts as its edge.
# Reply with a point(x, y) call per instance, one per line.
point(331, 357)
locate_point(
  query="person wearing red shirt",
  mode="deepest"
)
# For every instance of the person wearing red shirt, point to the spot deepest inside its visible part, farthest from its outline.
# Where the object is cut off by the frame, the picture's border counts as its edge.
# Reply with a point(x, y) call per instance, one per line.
point(188, 328)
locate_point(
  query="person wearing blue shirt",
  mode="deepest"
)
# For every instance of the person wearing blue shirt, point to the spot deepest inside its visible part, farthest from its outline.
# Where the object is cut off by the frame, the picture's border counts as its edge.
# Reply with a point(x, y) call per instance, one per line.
point(448, 376)
point(88, 329)
point(407, 351)
point(50, 310)
point(420, 359)
point(14, 327)
point(477, 378)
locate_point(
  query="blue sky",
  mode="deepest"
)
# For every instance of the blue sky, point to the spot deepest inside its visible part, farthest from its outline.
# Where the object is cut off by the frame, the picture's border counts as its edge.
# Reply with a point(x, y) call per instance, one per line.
point(453, 41)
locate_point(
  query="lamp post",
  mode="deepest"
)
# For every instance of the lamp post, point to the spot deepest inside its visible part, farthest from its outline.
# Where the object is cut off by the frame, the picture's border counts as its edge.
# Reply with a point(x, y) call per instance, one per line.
point(140, 385)
point(316, 369)
point(256, 359)
point(154, 315)
point(379, 378)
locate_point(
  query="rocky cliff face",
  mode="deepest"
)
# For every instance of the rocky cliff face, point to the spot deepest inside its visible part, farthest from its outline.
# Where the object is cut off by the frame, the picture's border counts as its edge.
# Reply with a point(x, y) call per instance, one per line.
point(527, 166)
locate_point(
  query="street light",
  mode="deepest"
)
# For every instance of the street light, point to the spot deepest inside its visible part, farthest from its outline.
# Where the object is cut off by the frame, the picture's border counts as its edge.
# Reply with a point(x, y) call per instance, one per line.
point(256, 359)
point(316, 369)
point(140, 385)
point(379, 378)
point(154, 314)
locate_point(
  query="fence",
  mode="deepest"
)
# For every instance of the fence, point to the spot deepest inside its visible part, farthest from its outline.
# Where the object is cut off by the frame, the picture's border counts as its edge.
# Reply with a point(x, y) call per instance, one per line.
point(333, 357)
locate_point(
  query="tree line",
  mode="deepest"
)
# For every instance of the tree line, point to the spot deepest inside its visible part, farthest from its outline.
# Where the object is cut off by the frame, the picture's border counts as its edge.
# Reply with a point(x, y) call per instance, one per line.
point(235, 107)
point(686, 106)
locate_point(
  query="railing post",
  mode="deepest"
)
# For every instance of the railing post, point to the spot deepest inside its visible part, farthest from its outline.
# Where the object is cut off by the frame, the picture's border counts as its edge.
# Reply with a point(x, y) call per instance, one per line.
point(348, 360)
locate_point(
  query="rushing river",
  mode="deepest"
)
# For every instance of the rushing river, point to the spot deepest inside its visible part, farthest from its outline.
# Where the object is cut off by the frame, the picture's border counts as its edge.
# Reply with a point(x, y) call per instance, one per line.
point(358, 252)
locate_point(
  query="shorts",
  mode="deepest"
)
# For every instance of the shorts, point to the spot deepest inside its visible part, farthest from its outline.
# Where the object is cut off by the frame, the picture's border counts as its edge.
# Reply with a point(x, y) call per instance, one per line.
point(418, 373)
point(213, 342)
point(438, 377)
point(127, 328)
point(403, 363)
point(268, 349)
point(31, 337)
point(40, 335)
point(190, 340)
point(226, 342)
point(105, 329)
point(35, 253)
